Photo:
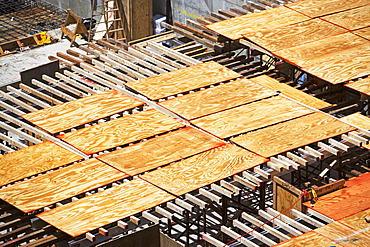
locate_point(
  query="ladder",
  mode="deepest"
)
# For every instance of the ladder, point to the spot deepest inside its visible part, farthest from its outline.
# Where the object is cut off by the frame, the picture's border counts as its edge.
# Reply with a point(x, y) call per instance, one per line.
point(111, 21)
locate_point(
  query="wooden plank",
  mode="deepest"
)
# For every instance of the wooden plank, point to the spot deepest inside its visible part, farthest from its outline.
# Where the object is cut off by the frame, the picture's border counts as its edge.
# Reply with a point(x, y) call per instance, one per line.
point(251, 116)
point(356, 64)
point(159, 151)
point(110, 205)
point(182, 80)
point(202, 169)
point(204, 102)
point(309, 239)
point(332, 47)
point(33, 160)
point(81, 111)
point(52, 187)
point(315, 8)
point(343, 234)
point(364, 32)
point(120, 131)
point(290, 92)
point(18, 102)
point(292, 134)
point(273, 18)
point(337, 205)
point(357, 222)
point(293, 35)
point(351, 19)
point(39, 94)
point(358, 120)
point(362, 86)
point(27, 97)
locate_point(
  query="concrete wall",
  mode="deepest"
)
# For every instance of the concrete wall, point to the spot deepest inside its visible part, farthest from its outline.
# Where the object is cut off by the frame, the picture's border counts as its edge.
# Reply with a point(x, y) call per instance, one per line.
point(81, 7)
point(191, 9)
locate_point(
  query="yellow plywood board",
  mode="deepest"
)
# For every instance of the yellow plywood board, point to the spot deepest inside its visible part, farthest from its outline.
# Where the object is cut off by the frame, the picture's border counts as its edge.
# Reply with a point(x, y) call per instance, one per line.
point(335, 71)
point(309, 239)
point(182, 80)
point(234, 28)
point(293, 35)
point(202, 169)
point(292, 134)
point(60, 184)
point(315, 8)
point(363, 32)
point(252, 116)
point(291, 92)
point(333, 47)
point(351, 19)
point(358, 222)
point(120, 131)
point(77, 112)
point(160, 150)
point(358, 120)
point(211, 100)
point(105, 207)
point(362, 86)
point(32, 160)
point(343, 234)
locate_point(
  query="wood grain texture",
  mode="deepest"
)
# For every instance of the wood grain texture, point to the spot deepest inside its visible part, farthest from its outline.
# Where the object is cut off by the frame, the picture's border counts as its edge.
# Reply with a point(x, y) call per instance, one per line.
point(309, 239)
point(33, 160)
point(102, 208)
point(61, 184)
point(345, 202)
point(160, 151)
point(291, 92)
point(202, 169)
point(182, 80)
point(251, 116)
point(319, 51)
point(351, 19)
point(120, 131)
point(216, 99)
point(77, 112)
point(315, 8)
point(362, 86)
point(293, 35)
point(358, 222)
point(234, 28)
point(354, 65)
point(358, 119)
point(343, 234)
point(363, 32)
point(292, 134)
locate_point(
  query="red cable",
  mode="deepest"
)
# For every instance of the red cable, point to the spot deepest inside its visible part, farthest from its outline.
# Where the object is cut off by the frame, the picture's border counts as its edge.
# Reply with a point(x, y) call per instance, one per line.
point(232, 241)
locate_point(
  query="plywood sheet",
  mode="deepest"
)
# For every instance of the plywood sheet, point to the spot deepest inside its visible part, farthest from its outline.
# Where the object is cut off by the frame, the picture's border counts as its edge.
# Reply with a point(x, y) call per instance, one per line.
point(102, 208)
point(160, 150)
point(358, 222)
point(335, 71)
point(350, 200)
point(202, 169)
point(182, 80)
point(233, 28)
point(291, 92)
point(362, 86)
point(364, 32)
point(358, 119)
point(343, 234)
point(60, 184)
point(351, 19)
point(77, 112)
point(333, 47)
point(33, 160)
point(252, 116)
point(292, 134)
point(293, 35)
point(211, 100)
point(120, 131)
point(309, 239)
point(315, 8)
